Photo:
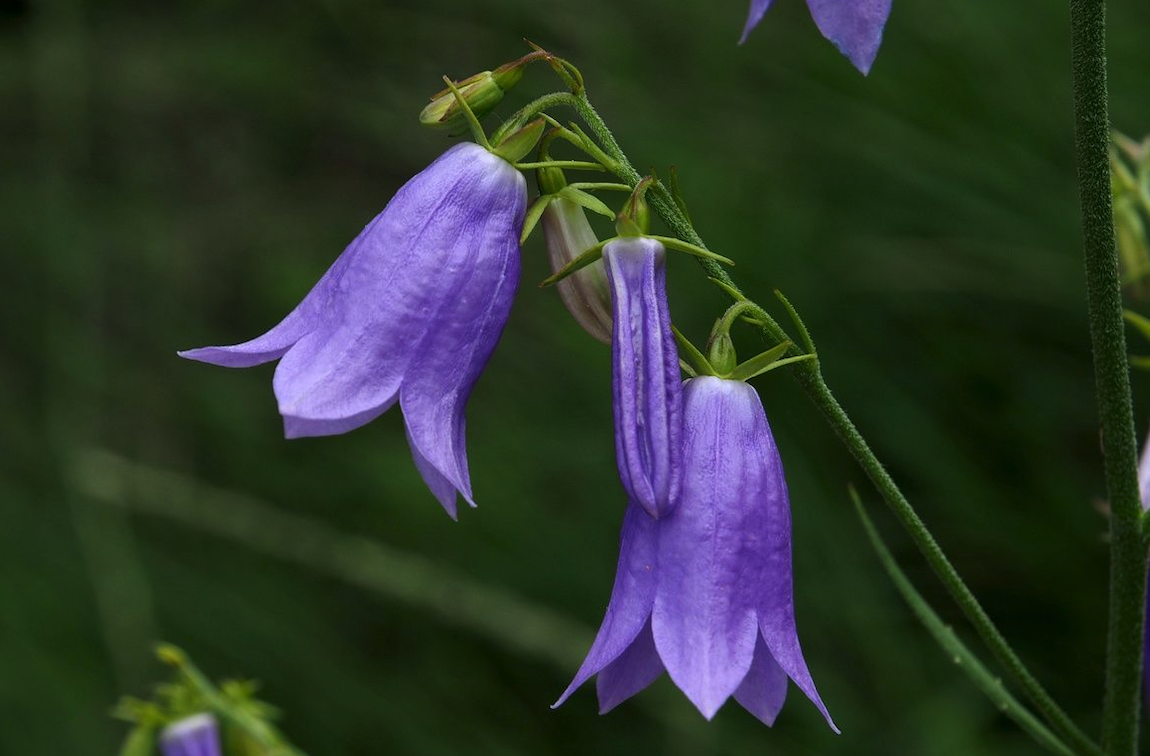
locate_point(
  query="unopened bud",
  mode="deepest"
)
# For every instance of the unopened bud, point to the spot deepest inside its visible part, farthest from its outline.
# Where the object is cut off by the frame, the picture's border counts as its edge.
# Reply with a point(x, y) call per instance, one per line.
point(585, 292)
point(482, 92)
point(721, 354)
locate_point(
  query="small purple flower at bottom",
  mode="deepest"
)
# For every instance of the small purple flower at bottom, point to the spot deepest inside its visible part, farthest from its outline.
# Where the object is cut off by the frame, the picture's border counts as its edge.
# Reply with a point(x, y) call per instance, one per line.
point(645, 384)
point(705, 593)
point(197, 735)
point(410, 312)
point(854, 26)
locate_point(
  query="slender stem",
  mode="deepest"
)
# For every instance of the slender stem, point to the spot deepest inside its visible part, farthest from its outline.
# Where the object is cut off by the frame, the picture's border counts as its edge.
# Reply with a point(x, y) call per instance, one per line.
point(1128, 554)
point(809, 376)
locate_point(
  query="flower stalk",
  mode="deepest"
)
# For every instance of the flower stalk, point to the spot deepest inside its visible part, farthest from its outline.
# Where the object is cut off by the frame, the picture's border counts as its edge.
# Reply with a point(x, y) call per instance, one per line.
point(1128, 553)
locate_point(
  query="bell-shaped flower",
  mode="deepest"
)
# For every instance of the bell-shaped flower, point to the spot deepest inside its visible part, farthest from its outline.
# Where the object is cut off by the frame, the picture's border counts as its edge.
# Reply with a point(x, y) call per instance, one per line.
point(411, 311)
point(854, 26)
point(197, 735)
point(645, 374)
point(705, 593)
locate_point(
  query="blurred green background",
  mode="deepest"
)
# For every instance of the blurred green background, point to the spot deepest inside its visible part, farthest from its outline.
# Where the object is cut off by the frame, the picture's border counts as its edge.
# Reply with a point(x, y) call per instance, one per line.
point(179, 174)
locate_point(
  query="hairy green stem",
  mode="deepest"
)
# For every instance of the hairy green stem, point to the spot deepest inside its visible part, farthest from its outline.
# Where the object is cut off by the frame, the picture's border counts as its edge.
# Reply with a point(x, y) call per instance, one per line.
point(1128, 554)
point(809, 376)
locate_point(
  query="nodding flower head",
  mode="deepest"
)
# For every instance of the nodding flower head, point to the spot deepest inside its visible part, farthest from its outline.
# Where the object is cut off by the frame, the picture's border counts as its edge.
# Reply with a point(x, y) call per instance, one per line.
point(410, 312)
point(854, 26)
point(706, 592)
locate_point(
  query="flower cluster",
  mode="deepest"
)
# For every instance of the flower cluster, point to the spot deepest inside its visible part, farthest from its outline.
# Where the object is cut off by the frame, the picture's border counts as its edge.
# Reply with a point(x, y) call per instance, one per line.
point(411, 312)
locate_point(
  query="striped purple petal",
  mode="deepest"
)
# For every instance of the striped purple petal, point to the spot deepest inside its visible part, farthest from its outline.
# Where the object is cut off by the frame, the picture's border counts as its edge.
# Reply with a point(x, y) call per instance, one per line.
point(645, 374)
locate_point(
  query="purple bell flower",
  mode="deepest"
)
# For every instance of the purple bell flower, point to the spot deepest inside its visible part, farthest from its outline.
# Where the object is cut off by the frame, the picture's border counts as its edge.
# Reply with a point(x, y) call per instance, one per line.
point(645, 374)
point(705, 593)
point(197, 735)
point(855, 26)
point(411, 311)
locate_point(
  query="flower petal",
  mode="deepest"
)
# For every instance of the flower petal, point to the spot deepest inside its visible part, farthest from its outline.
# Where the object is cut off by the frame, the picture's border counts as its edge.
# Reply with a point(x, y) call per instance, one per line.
point(646, 386)
point(704, 617)
point(855, 27)
point(631, 672)
point(390, 283)
point(463, 333)
point(629, 610)
point(768, 534)
point(758, 8)
point(764, 690)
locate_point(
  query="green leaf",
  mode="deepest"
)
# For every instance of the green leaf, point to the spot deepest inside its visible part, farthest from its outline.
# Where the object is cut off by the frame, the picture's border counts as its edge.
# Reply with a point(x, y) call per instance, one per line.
point(945, 636)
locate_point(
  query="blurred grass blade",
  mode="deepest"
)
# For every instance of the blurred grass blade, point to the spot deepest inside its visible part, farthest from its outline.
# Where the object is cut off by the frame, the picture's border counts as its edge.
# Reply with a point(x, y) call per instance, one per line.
point(945, 636)
point(500, 616)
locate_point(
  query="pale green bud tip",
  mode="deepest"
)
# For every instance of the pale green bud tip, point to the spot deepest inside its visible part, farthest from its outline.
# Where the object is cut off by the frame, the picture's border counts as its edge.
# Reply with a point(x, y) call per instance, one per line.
point(721, 354)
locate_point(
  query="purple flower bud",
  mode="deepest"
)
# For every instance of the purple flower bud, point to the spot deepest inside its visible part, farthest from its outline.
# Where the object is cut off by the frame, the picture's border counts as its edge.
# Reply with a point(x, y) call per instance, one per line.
point(855, 26)
point(197, 735)
point(705, 593)
point(411, 311)
point(646, 386)
point(584, 292)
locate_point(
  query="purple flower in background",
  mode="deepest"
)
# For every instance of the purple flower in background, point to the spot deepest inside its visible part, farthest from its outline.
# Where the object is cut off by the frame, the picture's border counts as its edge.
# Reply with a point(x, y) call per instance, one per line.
point(197, 735)
point(855, 26)
point(411, 311)
point(1144, 489)
point(705, 593)
point(645, 374)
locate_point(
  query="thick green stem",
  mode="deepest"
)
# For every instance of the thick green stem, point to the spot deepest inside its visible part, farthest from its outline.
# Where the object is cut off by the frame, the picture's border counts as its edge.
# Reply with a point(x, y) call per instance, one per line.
point(1128, 554)
point(810, 378)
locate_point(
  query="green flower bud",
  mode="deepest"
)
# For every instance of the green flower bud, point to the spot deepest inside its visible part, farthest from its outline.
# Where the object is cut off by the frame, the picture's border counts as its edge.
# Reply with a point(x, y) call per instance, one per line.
point(483, 91)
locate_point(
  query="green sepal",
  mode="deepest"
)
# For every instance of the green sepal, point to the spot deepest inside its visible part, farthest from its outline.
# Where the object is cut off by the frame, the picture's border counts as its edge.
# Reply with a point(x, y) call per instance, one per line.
point(635, 217)
point(582, 261)
point(534, 213)
point(766, 362)
point(950, 643)
point(589, 201)
point(517, 146)
point(805, 335)
point(679, 245)
point(696, 363)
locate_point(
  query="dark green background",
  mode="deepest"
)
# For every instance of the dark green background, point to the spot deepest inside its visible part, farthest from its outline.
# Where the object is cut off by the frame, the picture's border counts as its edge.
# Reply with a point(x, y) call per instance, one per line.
point(177, 174)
